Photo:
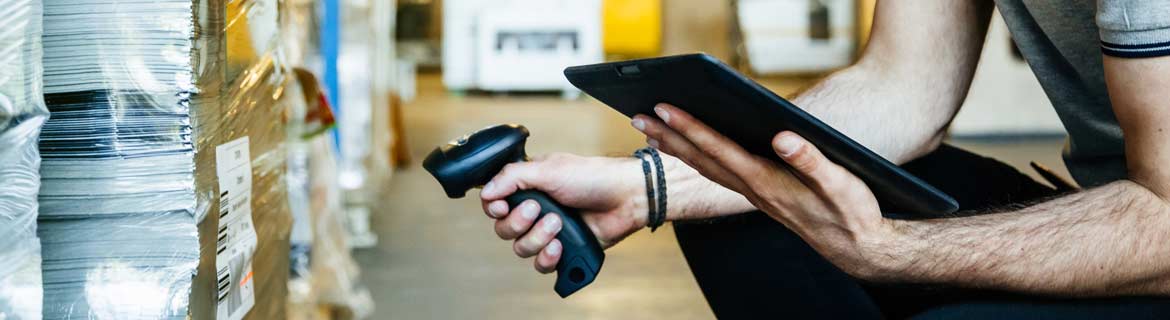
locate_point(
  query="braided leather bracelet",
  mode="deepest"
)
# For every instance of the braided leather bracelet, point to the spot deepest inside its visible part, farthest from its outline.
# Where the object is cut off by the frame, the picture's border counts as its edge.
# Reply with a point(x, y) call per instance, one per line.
point(655, 192)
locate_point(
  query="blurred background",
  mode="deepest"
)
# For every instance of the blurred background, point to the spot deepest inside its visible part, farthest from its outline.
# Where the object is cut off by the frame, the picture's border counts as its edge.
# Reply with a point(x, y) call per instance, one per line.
point(342, 99)
point(467, 64)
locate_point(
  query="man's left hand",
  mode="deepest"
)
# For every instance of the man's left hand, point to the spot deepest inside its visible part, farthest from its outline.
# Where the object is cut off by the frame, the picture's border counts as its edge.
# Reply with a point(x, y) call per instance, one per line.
point(829, 207)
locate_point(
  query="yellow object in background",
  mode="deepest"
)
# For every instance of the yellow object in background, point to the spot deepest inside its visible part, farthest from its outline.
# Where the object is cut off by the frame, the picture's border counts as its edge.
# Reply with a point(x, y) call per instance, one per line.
point(632, 28)
point(252, 29)
point(865, 10)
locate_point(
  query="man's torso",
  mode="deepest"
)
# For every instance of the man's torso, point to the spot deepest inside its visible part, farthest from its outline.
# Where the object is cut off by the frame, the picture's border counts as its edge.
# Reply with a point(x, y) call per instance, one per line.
point(1060, 41)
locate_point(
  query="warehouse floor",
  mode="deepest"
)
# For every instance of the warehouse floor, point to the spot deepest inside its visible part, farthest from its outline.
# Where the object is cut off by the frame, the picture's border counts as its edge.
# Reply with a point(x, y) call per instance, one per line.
point(439, 259)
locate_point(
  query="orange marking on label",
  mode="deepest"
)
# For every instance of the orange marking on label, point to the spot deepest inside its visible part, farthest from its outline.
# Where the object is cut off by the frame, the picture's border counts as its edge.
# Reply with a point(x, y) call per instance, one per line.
point(246, 279)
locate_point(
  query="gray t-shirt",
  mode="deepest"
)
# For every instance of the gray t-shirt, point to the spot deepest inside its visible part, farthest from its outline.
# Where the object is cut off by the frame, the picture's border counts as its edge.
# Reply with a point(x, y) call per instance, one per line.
point(1063, 42)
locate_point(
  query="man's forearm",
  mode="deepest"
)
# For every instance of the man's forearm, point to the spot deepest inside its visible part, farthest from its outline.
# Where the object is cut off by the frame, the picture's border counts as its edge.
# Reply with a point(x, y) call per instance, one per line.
point(1110, 240)
point(692, 196)
point(909, 83)
point(890, 111)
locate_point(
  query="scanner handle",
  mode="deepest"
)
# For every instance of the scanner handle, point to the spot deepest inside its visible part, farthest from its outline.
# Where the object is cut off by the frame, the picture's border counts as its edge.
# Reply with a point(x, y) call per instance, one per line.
point(581, 257)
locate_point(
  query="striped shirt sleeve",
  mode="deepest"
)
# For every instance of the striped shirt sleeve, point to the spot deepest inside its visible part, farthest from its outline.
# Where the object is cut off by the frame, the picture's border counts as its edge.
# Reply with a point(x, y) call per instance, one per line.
point(1134, 28)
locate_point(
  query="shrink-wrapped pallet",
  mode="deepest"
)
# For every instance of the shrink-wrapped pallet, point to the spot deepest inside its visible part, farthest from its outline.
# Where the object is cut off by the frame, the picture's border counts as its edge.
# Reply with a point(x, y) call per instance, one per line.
point(163, 192)
point(22, 113)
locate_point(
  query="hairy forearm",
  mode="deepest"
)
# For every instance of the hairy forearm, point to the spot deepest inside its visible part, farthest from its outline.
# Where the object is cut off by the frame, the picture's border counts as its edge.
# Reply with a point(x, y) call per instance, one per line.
point(692, 196)
point(889, 110)
point(1106, 241)
point(909, 83)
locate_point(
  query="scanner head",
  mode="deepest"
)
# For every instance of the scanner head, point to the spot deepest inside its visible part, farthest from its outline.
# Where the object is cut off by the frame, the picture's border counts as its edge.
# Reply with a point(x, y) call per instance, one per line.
point(472, 160)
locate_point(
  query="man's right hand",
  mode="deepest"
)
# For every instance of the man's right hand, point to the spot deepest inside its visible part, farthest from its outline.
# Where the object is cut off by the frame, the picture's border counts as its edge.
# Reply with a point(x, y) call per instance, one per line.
point(609, 192)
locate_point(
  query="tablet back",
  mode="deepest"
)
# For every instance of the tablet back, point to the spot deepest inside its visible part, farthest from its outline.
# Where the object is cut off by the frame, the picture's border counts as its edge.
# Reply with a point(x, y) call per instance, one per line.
point(751, 115)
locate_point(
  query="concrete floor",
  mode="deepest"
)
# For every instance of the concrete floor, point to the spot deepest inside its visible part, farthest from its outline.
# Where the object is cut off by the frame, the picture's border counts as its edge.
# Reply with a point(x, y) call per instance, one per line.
point(439, 259)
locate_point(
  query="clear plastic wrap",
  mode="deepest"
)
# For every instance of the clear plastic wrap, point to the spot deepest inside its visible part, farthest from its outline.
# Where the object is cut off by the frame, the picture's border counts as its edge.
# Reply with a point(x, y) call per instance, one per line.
point(22, 113)
point(159, 108)
point(299, 25)
point(117, 218)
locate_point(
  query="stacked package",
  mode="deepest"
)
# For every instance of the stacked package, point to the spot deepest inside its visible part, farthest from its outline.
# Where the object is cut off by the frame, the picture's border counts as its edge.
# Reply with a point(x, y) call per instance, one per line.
point(117, 218)
point(22, 112)
point(163, 191)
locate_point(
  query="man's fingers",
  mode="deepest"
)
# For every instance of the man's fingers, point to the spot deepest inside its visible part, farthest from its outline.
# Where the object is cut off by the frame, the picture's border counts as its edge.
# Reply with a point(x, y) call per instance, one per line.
point(546, 261)
point(667, 140)
point(540, 235)
point(810, 165)
point(495, 209)
point(714, 144)
point(518, 221)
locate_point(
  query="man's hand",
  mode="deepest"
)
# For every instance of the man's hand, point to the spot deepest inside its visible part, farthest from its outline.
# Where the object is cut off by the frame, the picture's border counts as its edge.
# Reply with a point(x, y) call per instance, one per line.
point(825, 204)
point(609, 192)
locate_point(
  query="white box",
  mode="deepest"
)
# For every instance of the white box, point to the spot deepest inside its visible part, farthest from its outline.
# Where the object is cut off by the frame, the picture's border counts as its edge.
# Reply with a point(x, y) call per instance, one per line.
point(518, 45)
point(777, 35)
point(528, 47)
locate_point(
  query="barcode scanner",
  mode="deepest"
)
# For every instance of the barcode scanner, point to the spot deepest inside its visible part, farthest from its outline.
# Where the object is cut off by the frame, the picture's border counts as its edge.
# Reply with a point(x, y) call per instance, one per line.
point(472, 160)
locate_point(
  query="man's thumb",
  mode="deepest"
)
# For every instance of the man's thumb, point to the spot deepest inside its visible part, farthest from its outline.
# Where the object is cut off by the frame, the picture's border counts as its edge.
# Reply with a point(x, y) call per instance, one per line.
point(514, 176)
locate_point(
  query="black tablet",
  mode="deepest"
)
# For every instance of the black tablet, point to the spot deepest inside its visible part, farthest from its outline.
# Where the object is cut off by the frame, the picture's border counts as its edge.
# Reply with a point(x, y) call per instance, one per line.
point(751, 115)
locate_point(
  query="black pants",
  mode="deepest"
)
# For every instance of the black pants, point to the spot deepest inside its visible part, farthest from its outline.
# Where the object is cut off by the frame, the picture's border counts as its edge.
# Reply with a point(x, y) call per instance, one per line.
point(750, 266)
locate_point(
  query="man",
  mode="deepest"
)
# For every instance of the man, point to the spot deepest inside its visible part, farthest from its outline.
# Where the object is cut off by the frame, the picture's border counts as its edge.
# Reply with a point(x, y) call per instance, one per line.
point(818, 245)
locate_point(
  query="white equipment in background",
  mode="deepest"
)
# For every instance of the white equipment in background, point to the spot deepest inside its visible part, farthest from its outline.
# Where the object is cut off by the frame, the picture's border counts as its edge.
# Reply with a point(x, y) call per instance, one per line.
point(797, 36)
point(518, 45)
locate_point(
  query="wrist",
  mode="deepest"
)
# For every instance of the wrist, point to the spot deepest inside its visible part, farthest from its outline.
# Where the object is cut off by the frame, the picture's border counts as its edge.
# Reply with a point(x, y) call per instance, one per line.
point(638, 205)
point(889, 251)
point(654, 183)
point(677, 197)
point(693, 196)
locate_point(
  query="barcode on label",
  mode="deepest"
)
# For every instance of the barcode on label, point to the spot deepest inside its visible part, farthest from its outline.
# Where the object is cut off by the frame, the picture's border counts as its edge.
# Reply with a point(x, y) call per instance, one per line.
point(225, 203)
point(230, 280)
point(221, 241)
point(223, 281)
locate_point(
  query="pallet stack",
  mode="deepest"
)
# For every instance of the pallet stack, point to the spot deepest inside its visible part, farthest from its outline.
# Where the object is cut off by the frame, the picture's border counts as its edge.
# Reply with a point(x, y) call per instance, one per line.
point(22, 113)
point(163, 190)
